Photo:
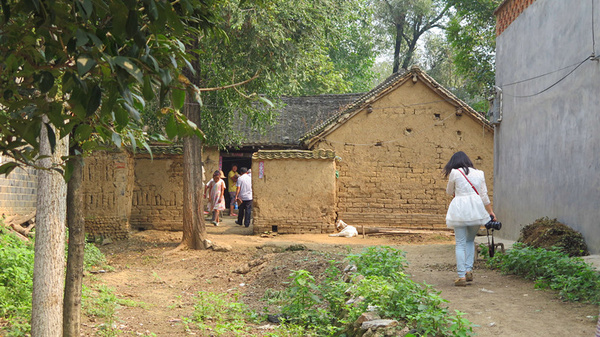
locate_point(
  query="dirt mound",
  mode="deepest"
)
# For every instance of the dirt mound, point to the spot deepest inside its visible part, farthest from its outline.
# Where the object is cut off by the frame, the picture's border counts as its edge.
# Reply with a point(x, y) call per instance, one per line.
point(547, 233)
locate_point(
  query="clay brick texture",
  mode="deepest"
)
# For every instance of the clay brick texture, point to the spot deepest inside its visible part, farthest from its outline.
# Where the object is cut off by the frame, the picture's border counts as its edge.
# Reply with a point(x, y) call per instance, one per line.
point(508, 11)
point(293, 195)
point(107, 188)
point(18, 191)
point(392, 155)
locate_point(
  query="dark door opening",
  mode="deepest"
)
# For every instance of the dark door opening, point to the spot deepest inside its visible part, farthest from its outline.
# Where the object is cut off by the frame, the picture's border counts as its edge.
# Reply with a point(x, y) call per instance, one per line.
point(227, 164)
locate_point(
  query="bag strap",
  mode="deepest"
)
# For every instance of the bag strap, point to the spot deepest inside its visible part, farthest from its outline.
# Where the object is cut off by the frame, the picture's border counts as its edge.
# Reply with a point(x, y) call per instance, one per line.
point(468, 181)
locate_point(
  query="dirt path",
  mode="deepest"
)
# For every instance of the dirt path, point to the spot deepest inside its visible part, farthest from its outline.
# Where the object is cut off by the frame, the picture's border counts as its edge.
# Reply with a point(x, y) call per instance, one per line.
point(165, 284)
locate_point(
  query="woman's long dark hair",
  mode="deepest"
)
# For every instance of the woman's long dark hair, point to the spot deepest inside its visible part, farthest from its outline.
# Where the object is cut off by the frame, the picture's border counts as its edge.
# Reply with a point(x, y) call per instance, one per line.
point(458, 160)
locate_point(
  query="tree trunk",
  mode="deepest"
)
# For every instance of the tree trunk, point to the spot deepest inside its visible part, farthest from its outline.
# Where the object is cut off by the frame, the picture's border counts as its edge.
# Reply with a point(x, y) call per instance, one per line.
point(49, 262)
point(398, 45)
point(76, 224)
point(194, 228)
point(409, 54)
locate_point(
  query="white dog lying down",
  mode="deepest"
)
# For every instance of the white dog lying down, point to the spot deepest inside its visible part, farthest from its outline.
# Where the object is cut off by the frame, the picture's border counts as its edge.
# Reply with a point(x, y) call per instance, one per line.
point(344, 230)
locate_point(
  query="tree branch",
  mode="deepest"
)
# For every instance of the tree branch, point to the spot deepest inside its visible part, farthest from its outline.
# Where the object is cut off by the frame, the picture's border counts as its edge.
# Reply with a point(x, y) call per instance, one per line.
point(231, 85)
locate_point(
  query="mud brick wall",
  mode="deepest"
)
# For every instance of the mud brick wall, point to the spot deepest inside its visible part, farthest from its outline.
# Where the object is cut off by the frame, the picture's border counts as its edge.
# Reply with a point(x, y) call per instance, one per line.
point(157, 201)
point(158, 194)
point(18, 191)
point(296, 193)
point(508, 12)
point(392, 157)
point(107, 190)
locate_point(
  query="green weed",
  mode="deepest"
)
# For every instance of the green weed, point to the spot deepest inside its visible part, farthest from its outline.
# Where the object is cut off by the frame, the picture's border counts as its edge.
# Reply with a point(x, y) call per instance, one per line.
point(553, 269)
point(222, 314)
point(16, 284)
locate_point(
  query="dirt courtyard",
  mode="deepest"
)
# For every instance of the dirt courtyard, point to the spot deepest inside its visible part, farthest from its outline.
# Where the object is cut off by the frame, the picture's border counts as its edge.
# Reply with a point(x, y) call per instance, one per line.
point(165, 283)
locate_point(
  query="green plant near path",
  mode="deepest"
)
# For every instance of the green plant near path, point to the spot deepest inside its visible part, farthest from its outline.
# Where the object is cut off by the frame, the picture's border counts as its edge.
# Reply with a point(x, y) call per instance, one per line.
point(16, 266)
point(574, 279)
point(380, 281)
point(221, 313)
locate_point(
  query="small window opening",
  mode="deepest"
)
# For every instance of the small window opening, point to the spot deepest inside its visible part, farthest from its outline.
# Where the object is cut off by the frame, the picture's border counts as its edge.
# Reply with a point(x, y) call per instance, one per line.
point(274, 229)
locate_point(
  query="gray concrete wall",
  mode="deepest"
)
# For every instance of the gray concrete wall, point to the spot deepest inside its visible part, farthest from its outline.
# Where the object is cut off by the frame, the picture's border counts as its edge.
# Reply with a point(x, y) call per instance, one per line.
point(547, 147)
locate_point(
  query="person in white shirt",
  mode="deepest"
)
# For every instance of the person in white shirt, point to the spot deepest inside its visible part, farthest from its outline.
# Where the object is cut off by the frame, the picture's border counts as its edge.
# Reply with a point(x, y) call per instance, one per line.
point(244, 194)
point(470, 208)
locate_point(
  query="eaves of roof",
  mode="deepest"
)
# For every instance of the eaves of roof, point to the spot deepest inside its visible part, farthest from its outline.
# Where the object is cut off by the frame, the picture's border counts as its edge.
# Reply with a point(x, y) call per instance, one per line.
point(389, 84)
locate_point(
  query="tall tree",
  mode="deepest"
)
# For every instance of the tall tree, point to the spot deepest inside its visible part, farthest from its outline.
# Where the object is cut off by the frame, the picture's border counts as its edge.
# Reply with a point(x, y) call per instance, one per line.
point(49, 261)
point(271, 48)
point(405, 21)
point(89, 66)
point(471, 33)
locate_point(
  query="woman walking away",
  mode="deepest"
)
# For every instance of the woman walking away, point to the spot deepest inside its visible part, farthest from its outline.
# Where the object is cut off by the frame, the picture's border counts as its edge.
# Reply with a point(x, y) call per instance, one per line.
point(216, 200)
point(469, 209)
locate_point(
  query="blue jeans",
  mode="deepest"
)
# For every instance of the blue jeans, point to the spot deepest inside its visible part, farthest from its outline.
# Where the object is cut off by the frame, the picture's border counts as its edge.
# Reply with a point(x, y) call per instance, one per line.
point(245, 213)
point(465, 248)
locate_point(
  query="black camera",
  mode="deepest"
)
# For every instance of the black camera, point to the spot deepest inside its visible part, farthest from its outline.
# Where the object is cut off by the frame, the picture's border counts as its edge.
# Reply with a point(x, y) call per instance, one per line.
point(493, 224)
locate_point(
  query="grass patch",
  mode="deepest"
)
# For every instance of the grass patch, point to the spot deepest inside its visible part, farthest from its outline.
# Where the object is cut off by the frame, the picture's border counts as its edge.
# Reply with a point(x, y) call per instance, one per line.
point(16, 280)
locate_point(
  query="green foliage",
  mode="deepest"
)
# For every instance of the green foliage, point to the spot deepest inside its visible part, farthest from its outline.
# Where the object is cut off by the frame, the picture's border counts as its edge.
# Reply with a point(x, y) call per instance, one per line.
point(388, 288)
point(101, 302)
point(225, 314)
point(16, 285)
point(91, 76)
point(93, 257)
point(380, 260)
point(472, 33)
point(574, 279)
point(16, 264)
point(322, 310)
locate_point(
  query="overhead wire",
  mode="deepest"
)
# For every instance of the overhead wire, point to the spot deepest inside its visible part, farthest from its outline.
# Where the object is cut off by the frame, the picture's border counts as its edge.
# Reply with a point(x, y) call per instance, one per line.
point(575, 65)
point(552, 85)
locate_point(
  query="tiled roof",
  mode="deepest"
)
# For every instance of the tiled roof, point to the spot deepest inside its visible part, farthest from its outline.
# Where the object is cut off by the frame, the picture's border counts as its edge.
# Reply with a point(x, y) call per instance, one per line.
point(294, 154)
point(162, 149)
point(384, 87)
point(298, 116)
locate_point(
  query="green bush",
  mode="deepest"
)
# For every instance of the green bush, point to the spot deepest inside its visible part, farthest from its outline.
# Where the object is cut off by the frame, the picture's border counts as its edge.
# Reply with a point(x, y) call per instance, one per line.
point(574, 279)
point(16, 282)
point(321, 310)
point(16, 279)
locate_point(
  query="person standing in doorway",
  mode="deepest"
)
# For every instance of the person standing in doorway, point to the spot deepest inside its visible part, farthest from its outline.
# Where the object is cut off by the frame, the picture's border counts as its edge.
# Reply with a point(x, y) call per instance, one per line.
point(470, 208)
point(244, 194)
point(232, 178)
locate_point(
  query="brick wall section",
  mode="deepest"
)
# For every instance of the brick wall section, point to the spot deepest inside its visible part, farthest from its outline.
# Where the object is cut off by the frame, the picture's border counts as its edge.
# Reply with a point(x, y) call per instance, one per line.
point(107, 188)
point(18, 191)
point(508, 11)
point(158, 194)
point(157, 201)
point(296, 193)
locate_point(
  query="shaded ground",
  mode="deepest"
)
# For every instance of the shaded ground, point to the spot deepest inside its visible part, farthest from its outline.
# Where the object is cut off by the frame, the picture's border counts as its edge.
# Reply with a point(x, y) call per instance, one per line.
point(165, 284)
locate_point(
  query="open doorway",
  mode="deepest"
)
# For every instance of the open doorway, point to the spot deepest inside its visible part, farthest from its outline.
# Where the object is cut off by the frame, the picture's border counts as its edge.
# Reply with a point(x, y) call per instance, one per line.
point(227, 163)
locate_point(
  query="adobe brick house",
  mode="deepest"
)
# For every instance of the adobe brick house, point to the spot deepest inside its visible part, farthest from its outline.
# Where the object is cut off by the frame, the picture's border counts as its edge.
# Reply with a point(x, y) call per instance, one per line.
point(547, 140)
point(393, 143)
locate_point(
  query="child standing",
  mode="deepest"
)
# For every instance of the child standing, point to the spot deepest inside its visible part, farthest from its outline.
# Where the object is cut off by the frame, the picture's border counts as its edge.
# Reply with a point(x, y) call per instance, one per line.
point(216, 199)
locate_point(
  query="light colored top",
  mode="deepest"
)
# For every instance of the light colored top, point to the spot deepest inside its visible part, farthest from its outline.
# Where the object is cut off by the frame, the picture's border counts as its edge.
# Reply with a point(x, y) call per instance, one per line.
point(231, 185)
point(244, 183)
point(467, 208)
point(215, 197)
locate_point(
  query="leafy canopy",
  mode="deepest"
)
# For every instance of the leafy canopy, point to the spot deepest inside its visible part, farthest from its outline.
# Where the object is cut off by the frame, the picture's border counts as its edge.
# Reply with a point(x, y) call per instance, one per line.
point(90, 66)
